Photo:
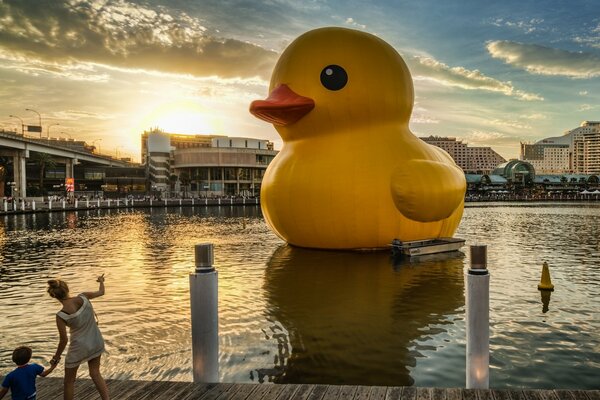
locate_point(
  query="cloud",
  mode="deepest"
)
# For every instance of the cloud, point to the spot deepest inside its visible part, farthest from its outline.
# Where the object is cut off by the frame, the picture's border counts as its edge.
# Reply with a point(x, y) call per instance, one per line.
point(527, 26)
point(592, 39)
point(431, 69)
point(74, 115)
point(352, 22)
point(543, 60)
point(117, 33)
point(479, 137)
point(585, 107)
point(583, 93)
point(510, 124)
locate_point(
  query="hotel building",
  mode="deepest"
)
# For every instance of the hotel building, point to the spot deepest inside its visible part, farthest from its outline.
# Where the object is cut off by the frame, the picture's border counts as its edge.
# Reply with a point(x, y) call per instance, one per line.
point(475, 160)
point(207, 165)
point(577, 151)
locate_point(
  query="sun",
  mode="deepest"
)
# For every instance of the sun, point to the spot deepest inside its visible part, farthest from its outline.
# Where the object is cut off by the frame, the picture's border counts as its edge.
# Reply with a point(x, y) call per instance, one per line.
point(182, 117)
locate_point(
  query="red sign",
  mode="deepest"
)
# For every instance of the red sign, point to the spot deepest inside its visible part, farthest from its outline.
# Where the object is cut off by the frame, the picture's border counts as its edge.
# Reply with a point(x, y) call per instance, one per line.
point(70, 184)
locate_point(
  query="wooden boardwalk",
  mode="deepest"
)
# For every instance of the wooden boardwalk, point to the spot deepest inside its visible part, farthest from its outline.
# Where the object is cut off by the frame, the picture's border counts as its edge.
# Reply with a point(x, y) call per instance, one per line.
point(51, 389)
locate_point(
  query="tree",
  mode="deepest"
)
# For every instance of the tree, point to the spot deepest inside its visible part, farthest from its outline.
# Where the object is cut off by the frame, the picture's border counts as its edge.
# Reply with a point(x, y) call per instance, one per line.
point(44, 160)
point(184, 178)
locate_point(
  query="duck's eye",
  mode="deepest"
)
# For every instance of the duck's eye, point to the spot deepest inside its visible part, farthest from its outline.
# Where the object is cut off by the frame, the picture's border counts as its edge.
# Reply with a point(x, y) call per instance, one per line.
point(334, 77)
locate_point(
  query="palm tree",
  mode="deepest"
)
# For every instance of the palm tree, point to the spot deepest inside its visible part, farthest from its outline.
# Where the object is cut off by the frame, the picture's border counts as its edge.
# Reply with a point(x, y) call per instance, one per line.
point(184, 178)
point(44, 160)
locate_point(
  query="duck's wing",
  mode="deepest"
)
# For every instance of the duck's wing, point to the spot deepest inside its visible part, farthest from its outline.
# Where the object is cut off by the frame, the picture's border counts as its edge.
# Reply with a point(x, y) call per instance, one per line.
point(427, 191)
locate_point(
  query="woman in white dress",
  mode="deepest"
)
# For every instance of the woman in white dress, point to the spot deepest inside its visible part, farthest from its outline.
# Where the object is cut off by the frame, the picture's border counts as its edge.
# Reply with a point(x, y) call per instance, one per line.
point(86, 342)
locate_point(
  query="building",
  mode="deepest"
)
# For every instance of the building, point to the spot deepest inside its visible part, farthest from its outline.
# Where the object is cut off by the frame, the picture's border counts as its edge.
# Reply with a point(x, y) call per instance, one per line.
point(205, 165)
point(577, 151)
point(477, 160)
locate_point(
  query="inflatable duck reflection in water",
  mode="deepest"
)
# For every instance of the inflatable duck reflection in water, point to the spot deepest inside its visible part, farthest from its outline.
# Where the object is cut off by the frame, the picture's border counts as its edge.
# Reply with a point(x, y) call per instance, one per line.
point(351, 174)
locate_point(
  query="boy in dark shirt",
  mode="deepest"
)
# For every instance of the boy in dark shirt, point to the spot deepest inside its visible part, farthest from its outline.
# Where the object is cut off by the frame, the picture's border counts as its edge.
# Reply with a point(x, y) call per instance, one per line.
point(21, 381)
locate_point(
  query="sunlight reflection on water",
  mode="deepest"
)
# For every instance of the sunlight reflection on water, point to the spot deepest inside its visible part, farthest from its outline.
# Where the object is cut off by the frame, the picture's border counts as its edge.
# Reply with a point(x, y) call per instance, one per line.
point(296, 315)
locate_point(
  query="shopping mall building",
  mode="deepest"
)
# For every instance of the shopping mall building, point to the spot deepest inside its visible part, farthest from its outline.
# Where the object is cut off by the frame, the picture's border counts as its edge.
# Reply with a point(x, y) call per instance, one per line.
point(205, 165)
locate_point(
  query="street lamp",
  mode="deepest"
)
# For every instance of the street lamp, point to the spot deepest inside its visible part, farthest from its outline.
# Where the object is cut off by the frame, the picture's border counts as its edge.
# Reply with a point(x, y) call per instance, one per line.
point(117, 151)
point(40, 119)
point(48, 131)
point(22, 124)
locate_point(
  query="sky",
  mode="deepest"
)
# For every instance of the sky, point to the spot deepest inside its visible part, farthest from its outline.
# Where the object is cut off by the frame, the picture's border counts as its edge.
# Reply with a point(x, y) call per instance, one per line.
point(490, 73)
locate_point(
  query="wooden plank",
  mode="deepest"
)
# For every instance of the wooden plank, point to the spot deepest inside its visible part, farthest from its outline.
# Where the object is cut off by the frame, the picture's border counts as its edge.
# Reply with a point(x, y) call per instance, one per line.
point(469, 394)
point(215, 392)
point(593, 394)
point(409, 393)
point(302, 392)
point(580, 394)
point(547, 395)
point(423, 393)
point(49, 387)
point(378, 393)
point(273, 391)
point(453, 394)
point(126, 389)
point(148, 390)
point(332, 392)
point(199, 389)
point(395, 393)
point(501, 395)
point(362, 393)
point(347, 392)
point(259, 391)
point(564, 394)
point(287, 391)
point(243, 391)
point(438, 394)
point(517, 394)
point(317, 393)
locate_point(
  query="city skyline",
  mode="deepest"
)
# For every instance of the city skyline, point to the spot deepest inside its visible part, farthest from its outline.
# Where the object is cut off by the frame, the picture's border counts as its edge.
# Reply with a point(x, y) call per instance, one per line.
point(491, 75)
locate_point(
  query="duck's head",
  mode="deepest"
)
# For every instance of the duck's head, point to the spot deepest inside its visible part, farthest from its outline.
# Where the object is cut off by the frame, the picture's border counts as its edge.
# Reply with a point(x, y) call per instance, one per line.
point(334, 79)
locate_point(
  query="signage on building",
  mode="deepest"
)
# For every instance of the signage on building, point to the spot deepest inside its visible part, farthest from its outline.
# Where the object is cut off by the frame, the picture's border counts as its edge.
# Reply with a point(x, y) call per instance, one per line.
point(70, 184)
point(34, 128)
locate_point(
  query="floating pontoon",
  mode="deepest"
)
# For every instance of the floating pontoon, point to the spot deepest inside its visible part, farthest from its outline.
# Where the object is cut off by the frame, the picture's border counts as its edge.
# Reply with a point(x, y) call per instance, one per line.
point(430, 246)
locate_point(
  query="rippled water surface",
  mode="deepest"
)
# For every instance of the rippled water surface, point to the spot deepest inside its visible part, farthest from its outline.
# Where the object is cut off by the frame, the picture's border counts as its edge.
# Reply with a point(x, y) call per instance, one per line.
point(294, 315)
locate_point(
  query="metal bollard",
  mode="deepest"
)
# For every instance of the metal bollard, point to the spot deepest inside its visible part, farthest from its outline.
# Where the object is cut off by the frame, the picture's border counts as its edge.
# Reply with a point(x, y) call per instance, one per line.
point(180, 202)
point(87, 203)
point(63, 204)
point(205, 317)
point(98, 203)
point(477, 301)
point(33, 205)
point(5, 206)
point(24, 205)
point(108, 203)
point(165, 202)
point(76, 203)
point(49, 204)
point(192, 201)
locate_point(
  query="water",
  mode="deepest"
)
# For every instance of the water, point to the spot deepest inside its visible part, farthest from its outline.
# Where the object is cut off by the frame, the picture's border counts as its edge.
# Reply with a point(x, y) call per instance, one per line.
point(294, 315)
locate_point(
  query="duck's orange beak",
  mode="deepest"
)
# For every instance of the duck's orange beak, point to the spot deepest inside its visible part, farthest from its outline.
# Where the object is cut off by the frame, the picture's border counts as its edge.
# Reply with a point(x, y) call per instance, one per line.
point(282, 107)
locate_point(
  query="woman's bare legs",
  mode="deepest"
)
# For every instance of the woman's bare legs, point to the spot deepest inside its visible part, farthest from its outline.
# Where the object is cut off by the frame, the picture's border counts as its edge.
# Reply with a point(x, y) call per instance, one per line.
point(94, 366)
point(70, 375)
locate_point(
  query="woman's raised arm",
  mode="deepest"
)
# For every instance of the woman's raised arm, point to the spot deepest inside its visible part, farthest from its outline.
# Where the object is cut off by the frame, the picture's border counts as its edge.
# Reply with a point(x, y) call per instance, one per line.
point(99, 292)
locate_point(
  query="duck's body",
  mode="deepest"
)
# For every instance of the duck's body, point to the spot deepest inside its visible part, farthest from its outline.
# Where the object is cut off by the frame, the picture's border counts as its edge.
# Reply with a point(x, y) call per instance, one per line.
point(352, 176)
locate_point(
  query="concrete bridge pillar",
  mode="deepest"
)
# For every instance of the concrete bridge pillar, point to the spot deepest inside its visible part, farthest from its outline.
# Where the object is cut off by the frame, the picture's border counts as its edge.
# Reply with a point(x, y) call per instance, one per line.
point(70, 165)
point(20, 175)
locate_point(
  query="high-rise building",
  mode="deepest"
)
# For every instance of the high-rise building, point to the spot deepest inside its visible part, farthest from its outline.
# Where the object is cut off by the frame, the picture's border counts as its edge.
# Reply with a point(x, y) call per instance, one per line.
point(576, 151)
point(475, 160)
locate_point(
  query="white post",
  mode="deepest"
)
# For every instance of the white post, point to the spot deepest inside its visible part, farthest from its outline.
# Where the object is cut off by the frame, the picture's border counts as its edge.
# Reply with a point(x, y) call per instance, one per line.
point(118, 203)
point(5, 206)
point(76, 203)
point(150, 201)
point(206, 201)
point(33, 205)
point(165, 202)
point(192, 201)
point(108, 203)
point(205, 318)
point(179, 202)
point(132, 202)
point(87, 203)
point(63, 204)
point(478, 320)
point(256, 200)
point(98, 203)
point(219, 201)
point(23, 204)
point(231, 201)
point(49, 204)
point(243, 200)
point(125, 201)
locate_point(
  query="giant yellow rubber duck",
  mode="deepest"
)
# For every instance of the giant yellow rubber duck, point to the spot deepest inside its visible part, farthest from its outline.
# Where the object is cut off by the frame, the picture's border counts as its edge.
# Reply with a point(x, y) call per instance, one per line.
point(350, 174)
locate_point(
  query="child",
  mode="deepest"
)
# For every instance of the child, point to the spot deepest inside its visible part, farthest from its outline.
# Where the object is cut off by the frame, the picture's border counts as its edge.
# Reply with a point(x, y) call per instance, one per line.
point(21, 381)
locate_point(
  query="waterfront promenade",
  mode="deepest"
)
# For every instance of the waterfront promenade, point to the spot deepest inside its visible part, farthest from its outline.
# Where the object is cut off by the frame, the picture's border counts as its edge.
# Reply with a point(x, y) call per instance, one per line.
point(51, 388)
point(19, 207)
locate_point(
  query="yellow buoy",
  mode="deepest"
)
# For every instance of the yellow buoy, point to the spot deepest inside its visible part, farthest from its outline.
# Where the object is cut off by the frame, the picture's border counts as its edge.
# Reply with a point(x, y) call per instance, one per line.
point(546, 282)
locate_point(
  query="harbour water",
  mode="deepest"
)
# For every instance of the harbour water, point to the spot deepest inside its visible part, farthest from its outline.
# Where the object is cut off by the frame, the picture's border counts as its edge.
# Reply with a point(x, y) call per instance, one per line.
point(292, 315)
